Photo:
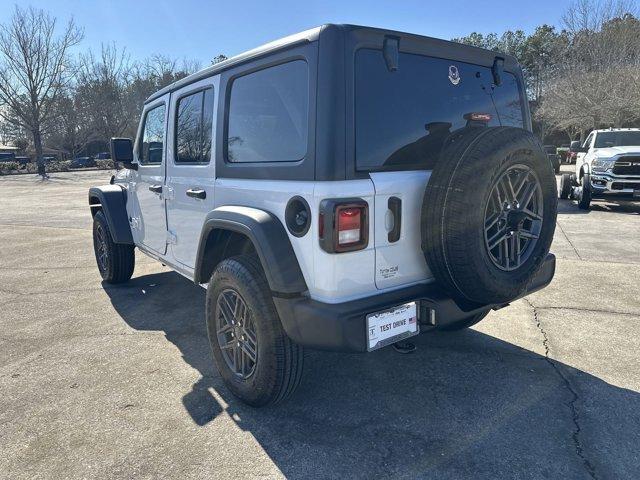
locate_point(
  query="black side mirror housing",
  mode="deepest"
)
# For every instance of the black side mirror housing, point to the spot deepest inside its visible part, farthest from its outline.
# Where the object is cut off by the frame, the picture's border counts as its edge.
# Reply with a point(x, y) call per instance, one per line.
point(122, 151)
point(575, 147)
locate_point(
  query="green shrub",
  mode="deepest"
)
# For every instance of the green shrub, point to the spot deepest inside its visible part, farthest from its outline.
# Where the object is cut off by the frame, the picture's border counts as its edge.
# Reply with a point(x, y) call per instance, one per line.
point(105, 164)
point(8, 167)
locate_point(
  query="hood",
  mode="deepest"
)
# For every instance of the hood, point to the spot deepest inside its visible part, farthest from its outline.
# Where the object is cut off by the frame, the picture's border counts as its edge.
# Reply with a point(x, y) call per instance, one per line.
point(613, 151)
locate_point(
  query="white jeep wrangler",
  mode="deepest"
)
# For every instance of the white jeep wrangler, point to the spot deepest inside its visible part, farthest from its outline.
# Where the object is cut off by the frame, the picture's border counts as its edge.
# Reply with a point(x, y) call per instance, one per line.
point(607, 166)
point(343, 189)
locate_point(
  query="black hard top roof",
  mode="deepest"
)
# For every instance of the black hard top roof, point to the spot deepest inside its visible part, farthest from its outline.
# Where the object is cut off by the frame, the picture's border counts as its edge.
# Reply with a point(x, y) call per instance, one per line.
point(301, 38)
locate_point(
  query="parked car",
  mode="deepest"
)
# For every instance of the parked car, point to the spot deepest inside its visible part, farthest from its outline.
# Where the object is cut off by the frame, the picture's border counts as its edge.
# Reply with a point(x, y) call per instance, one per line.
point(344, 189)
point(553, 157)
point(573, 155)
point(83, 162)
point(607, 166)
point(7, 157)
point(23, 161)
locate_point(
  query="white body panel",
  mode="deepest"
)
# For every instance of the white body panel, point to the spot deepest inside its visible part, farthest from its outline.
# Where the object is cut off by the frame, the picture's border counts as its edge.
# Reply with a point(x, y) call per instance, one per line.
point(401, 262)
point(185, 214)
point(150, 219)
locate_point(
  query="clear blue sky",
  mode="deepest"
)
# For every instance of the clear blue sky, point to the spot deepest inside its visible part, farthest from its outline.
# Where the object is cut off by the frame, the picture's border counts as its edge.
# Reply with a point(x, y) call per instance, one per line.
point(202, 29)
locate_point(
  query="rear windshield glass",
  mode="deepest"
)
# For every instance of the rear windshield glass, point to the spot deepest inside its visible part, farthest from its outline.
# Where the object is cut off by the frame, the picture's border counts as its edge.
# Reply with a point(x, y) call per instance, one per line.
point(404, 117)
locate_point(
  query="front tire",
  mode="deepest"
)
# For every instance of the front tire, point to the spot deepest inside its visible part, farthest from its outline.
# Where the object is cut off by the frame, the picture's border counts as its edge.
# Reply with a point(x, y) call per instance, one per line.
point(116, 261)
point(565, 186)
point(584, 195)
point(257, 361)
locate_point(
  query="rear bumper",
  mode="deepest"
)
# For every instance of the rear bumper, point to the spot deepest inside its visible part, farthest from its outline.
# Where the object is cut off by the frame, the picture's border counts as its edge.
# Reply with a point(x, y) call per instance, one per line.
point(342, 326)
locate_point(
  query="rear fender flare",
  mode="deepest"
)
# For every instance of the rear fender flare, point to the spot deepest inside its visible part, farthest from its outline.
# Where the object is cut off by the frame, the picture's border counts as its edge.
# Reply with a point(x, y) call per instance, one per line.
point(269, 239)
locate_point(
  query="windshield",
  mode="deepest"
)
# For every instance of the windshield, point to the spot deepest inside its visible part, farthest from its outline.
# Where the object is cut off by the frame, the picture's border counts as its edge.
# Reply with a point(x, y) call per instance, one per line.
point(617, 139)
point(404, 117)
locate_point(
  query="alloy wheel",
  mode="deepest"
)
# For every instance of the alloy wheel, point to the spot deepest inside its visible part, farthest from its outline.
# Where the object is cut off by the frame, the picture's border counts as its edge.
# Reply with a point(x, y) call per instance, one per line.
point(236, 333)
point(513, 217)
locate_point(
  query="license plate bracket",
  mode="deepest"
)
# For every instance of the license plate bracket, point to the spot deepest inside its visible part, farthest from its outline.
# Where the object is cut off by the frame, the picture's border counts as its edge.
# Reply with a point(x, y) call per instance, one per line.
point(391, 325)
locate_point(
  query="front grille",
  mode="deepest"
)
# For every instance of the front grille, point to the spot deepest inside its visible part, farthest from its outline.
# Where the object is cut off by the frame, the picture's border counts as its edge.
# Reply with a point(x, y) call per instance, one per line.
point(622, 186)
point(627, 166)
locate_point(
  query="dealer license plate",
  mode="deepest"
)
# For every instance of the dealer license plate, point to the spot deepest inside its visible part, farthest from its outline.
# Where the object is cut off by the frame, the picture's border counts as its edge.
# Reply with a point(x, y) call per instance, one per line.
point(392, 325)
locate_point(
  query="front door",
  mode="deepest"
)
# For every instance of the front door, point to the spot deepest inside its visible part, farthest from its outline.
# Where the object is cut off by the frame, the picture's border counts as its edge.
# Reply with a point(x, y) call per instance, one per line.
point(190, 166)
point(151, 225)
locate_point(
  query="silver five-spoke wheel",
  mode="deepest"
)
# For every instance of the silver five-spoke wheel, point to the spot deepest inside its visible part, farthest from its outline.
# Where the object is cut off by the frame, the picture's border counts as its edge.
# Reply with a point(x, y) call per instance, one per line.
point(513, 217)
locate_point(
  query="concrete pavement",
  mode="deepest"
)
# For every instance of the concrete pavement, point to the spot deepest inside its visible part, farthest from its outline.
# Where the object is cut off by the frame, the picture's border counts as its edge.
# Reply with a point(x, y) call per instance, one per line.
point(117, 381)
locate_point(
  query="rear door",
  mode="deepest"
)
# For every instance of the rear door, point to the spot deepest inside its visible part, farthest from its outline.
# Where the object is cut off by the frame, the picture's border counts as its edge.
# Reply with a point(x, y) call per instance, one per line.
point(402, 120)
point(190, 166)
point(148, 186)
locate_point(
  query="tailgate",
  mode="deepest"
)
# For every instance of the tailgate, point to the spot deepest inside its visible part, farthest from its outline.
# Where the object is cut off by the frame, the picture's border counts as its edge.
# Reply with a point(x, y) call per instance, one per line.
point(400, 261)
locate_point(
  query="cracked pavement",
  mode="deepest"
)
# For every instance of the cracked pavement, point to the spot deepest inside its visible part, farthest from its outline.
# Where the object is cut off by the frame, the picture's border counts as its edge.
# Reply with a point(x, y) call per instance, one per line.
point(117, 382)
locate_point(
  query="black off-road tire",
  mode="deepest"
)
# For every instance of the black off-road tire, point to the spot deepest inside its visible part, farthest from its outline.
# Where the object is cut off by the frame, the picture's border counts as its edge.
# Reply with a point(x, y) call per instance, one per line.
point(279, 364)
point(116, 261)
point(584, 193)
point(565, 186)
point(464, 323)
point(454, 206)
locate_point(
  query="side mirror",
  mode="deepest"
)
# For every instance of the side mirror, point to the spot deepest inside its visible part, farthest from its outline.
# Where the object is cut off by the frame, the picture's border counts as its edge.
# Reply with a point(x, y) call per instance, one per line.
point(122, 151)
point(576, 148)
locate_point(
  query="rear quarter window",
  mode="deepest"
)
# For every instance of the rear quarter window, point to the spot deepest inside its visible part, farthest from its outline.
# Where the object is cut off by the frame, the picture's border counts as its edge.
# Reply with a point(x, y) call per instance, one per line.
point(403, 117)
point(268, 115)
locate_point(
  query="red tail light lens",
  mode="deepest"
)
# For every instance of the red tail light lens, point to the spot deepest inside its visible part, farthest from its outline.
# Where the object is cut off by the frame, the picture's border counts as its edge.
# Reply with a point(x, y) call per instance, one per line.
point(344, 225)
point(349, 225)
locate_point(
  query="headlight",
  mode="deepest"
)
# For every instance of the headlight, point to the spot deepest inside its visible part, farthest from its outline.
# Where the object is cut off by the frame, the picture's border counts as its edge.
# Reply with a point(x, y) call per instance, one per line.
point(602, 164)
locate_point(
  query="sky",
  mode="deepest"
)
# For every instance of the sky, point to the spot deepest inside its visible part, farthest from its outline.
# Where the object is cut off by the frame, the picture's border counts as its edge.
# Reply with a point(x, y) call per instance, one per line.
point(200, 30)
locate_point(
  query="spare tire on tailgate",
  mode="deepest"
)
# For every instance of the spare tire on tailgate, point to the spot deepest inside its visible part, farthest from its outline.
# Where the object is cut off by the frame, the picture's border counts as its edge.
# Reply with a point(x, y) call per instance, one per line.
point(489, 213)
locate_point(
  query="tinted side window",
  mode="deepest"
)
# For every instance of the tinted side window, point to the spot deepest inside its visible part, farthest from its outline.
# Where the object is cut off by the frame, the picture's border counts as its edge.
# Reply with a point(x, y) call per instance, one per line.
point(587, 142)
point(404, 117)
point(268, 115)
point(193, 127)
point(153, 136)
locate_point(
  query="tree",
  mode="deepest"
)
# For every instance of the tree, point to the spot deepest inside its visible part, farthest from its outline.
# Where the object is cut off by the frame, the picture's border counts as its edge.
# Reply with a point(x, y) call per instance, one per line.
point(597, 83)
point(101, 93)
point(34, 68)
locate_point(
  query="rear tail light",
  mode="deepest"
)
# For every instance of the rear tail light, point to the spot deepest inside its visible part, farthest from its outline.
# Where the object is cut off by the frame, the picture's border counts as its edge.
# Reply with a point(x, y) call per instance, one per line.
point(344, 225)
point(349, 225)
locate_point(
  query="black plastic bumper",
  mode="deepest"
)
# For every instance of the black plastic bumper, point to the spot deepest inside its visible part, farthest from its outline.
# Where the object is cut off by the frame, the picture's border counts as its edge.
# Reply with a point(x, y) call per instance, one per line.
point(342, 326)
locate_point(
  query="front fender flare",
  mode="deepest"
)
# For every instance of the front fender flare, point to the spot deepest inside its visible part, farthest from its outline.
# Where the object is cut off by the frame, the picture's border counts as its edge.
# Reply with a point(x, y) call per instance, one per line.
point(269, 239)
point(112, 200)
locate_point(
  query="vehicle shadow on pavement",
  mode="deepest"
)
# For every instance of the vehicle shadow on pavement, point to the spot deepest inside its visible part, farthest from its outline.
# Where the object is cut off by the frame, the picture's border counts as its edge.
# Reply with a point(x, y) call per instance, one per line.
point(569, 207)
point(464, 404)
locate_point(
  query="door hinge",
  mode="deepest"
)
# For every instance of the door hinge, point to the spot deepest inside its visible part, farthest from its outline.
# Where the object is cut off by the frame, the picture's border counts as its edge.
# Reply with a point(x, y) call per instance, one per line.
point(171, 238)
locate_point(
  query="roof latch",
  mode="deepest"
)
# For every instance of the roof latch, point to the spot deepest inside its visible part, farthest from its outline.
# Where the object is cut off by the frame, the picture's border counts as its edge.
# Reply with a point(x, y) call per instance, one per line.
point(390, 51)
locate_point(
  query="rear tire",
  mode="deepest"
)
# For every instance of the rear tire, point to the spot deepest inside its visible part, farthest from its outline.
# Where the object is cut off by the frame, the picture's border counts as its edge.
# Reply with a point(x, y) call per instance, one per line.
point(584, 194)
point(116, 261)
point(257, 361)
point(464, 323)
point(565, 186)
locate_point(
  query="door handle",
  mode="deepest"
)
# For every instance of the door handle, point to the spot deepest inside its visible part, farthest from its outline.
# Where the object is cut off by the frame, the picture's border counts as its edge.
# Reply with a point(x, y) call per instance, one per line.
point(155, 188)
point(197, 193)
point(395, 205)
